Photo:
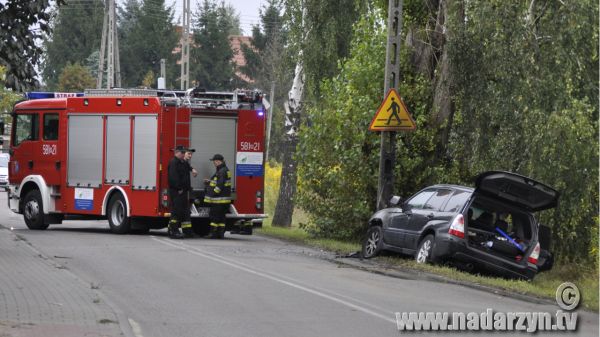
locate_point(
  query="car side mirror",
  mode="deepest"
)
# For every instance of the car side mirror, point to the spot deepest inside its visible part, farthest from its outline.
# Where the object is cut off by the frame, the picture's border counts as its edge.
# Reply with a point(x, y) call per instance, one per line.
point(395, 200)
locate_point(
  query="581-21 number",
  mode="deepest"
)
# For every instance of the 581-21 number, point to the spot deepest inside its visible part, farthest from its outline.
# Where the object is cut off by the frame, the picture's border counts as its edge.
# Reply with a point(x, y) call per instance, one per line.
point(249, 146)
point(49, 149)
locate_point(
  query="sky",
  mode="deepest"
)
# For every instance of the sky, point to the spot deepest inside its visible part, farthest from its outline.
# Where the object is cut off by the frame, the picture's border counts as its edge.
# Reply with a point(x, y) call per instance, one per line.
point(248, 10)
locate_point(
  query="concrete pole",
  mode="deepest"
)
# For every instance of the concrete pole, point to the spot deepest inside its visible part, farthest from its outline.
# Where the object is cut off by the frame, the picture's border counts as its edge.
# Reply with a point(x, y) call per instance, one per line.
point(392, 79)
point(110, 76)
point(102, 49)
point(185, 45)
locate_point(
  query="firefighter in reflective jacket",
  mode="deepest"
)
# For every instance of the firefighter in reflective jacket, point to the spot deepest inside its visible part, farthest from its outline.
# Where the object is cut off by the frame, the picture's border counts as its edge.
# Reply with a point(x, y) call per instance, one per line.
point(179, 187)
point(218, 196)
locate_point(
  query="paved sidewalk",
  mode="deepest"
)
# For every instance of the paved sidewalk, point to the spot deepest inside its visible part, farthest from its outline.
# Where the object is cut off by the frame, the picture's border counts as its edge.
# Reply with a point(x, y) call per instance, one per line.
point(40, 297)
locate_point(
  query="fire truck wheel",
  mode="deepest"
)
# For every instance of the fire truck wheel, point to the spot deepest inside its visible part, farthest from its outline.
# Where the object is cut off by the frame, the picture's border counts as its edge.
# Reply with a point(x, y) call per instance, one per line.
point(117, 215)
point(33, 211)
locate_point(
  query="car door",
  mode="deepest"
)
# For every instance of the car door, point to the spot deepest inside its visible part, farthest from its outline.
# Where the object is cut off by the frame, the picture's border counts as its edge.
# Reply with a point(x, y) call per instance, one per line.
point(427, 212)
point(399, 220)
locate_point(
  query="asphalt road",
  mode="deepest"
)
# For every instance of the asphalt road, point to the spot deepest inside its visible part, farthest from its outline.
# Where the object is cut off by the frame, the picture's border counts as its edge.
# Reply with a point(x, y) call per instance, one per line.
point(247, 285)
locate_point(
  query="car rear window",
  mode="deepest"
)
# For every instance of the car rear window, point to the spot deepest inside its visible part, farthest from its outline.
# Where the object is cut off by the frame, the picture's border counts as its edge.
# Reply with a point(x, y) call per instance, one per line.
point(456, 202)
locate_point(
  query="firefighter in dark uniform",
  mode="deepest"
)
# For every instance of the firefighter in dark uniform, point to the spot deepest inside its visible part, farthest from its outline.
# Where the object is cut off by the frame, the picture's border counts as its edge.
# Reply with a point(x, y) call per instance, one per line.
point(179, 186)
point(218, 196)
point(186, 224)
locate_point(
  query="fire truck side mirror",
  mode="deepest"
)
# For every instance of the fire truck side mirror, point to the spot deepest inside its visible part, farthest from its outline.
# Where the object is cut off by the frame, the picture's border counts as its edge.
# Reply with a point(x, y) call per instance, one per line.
point(1, 127)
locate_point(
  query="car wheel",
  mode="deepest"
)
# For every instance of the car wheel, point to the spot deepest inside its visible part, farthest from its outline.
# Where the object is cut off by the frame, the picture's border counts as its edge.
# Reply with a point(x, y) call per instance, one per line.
point(118, 220)
point(425, 251)
point(372, 243)
point(33, 211)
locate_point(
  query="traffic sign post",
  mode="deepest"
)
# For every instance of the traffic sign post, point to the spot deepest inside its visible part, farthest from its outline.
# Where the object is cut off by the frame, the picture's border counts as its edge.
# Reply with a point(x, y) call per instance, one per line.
point(388, 138)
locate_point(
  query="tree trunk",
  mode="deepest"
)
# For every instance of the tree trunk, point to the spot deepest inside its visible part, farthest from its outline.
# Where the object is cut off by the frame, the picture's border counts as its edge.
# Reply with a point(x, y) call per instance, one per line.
point(442, 112)
point(287, 186)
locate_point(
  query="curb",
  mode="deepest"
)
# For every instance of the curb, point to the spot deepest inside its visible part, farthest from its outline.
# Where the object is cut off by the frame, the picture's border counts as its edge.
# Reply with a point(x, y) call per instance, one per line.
point(422, 275)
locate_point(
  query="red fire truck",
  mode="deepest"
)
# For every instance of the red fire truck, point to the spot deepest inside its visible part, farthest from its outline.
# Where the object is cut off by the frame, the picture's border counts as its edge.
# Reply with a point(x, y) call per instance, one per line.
point(104, 155)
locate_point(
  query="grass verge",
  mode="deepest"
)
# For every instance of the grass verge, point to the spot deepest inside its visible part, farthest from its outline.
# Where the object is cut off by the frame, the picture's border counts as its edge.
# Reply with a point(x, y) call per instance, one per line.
point(544, 285)
point(298, 235)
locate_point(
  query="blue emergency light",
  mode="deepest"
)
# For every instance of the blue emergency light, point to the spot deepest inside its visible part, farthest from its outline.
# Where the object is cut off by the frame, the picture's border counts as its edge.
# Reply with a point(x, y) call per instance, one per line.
point(44, 94)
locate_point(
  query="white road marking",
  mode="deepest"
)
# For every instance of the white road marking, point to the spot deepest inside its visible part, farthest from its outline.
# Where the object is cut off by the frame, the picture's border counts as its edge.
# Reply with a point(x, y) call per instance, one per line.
point(234, 264)
point(135, 327)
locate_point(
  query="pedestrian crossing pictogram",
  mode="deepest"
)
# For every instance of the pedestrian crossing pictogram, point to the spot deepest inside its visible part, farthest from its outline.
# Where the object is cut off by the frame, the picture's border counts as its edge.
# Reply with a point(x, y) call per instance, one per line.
point(392, 115)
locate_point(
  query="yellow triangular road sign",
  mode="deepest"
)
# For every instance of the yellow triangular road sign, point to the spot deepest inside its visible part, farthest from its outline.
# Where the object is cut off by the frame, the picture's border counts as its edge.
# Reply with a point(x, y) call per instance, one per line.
point(392, 115)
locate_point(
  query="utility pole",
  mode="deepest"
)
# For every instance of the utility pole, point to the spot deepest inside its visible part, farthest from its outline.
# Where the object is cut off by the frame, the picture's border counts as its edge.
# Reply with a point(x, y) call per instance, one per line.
point(392, 79)
point(110, 68)
point(117, 60)
point(109, 49)
point(185, 45)
point(102, 49)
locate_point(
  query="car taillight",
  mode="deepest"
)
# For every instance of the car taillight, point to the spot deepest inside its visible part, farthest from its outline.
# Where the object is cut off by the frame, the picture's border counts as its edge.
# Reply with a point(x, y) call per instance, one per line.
point(533, 258)
point(165, 198)
point(457, 228)
point(259, 200)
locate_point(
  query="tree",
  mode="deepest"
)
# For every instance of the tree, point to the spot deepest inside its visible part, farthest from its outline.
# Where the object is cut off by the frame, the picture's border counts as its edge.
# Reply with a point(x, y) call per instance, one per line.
point(147, 36)
point(338, 174)
point(77, 30)
point(211, 64)
point(75, 77)
point(269, 34)
point(328, 39)
point(269, 66)
point(7, 96)
point(320, 37)
point(233, 17)
point(19, 53)
point(148, 80)
point(527, 102)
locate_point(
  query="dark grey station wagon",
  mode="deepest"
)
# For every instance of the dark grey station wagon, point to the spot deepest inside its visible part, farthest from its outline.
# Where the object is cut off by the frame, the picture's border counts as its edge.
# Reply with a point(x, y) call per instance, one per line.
point(491, 226)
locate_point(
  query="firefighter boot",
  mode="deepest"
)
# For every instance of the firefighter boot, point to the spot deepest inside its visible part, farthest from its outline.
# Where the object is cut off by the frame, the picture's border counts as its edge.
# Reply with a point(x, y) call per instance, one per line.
point(221, 231)
point(214, 230)
point(174, 231)
point(188, 232)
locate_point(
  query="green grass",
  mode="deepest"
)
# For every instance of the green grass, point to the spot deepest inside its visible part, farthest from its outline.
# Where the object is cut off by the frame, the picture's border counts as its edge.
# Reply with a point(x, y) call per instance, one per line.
point(297, 235)
point(543, 285)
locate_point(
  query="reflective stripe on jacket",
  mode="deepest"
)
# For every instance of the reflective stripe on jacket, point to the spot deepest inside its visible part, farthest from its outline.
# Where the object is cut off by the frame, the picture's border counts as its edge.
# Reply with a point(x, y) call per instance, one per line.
point(218, 190)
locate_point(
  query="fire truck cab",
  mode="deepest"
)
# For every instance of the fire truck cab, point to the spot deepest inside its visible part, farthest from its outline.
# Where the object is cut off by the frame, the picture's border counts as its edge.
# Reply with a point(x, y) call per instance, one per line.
point(104, 155)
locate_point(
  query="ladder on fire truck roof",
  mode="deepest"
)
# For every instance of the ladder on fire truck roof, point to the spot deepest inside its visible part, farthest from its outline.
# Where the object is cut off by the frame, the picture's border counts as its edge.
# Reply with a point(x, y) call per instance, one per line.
point(193, 98)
